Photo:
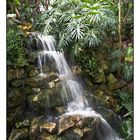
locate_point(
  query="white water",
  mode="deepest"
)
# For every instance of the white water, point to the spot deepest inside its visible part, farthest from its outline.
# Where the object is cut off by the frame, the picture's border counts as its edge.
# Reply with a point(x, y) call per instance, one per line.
point(76, 103)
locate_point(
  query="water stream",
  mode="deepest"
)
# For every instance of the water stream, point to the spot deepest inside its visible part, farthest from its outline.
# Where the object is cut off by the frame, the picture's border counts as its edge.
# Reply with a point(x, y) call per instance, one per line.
point(74, 100)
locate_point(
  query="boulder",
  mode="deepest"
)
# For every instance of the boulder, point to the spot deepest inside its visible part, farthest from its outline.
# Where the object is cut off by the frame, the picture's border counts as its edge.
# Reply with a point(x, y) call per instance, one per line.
point(19, 134)
point(15, 73)
point(46, 99)
point(51, 84)
point(34, 72)
point(32, 56)
point(15, 98)
point(76, 69)
point(99, 78)
point(111, 79)
point(74, 121)
point(104, 65)
point(24, 123)
point(11, 74)
point(36, 82)
point(14, 115)
point(49, 127)
point(65, 123)
point(117, 85)
point(102, 98)
point(35, 126)
point(51, 76)
point(47, 136)
point(17, 83)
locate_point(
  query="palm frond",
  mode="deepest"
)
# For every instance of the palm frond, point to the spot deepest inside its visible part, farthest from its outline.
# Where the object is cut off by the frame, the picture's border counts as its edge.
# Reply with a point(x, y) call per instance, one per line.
point(128, 72)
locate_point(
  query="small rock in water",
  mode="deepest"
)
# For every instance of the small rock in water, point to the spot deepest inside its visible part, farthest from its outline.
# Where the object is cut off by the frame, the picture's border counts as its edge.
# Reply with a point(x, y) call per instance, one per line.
point(51, 84)
point(56, 80)
point(50, 127)
point(65, 123)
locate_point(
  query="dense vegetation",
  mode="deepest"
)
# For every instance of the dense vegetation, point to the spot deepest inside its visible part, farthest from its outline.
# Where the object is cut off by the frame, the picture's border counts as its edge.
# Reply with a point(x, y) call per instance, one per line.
point(84, 29)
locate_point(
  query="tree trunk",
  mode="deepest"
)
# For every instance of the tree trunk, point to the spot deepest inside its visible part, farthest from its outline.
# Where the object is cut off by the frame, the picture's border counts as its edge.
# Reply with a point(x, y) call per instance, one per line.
point(119, 33)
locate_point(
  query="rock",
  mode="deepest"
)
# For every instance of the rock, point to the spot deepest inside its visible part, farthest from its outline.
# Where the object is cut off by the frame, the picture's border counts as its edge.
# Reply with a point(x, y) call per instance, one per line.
point(19, 134)
point(56, 80)
point(65, 123)
point(42, 129)
point(102, 98)
point(45, 99)
point(36, 90)
point(104, 65)
point(14, 115)
point(105, 89)
point(51, 84)
point(69, 135)
point(76, 69)
point(78, 132)
point(88, 135)
point(52, 76)
point(49, 127)
point(11, 74)
point(60, 110)
point(35, 126)
point(32, 56)
point(22, 124)
point(17, 83)
point(15, 73)
point(36, 82)
point(34, 72)
point(74, 121)
point(99, 78)
point(111, 79)
point(14, 97)
point(47, 136)
point(99, 93)
point(117, 85)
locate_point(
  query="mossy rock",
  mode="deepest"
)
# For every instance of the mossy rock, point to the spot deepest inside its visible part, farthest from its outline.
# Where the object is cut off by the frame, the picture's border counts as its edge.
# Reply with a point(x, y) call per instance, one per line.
point(34, 72)
point(15, 98)
point(32, 56)
point(45, 99)
point(111, 79)
point(11, 74)
point(17, 83)
point(22, 124)
point(36, 82)
point(99, 78)
point(104, 66)
point(14, 115)
point(118, 85)
point(19, 134)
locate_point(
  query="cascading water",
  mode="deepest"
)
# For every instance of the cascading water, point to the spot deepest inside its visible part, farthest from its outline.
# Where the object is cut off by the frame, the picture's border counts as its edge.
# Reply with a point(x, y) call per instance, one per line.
point(76, 103)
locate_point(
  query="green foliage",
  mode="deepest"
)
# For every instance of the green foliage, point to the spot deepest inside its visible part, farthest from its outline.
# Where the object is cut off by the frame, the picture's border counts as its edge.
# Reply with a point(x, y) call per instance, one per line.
point(126, 130)
point(126, 63)
point(14, 2)
point(125, 107)
point(128, 72)
point(89, 64)
point(126, 100)
point(15, 50)
point(77, 23)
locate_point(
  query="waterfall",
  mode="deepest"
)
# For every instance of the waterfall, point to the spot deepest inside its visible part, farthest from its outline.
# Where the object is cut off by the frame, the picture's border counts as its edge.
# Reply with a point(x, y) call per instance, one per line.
point(74, 100)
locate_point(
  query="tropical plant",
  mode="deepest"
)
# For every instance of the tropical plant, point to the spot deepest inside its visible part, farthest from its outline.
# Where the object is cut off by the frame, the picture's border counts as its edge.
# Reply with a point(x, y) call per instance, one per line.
point(78, 23)
point(125, 107)
point(88, 62)
point(126, 63)
point(15, 50)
